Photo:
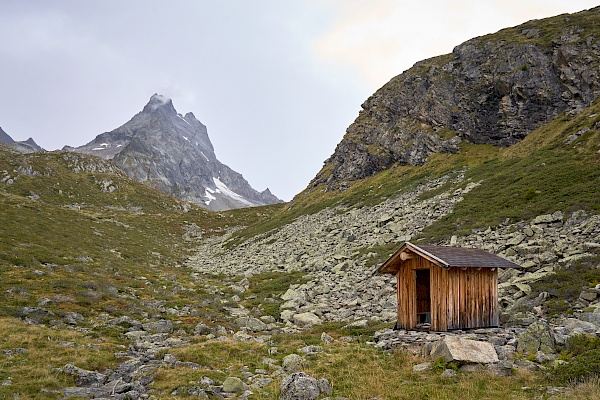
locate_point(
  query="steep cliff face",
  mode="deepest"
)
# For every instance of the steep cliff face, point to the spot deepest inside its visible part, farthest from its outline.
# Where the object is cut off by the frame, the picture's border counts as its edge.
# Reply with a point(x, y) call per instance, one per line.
point(493, 89)
point(174, 154)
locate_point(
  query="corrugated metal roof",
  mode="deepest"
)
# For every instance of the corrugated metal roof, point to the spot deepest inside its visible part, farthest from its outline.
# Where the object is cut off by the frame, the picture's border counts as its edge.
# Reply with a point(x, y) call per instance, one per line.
point(448, 257)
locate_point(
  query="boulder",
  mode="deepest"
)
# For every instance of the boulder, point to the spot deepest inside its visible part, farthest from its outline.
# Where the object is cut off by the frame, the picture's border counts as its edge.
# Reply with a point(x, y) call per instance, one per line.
point(576, 326)
point(292, 363)
point(464, 351)
point(325, 338)
point(426, 366)
point(233, 385)
point(251, 324)
point(307, 318)
point(161, 326)
point(537, 337)
point(84, 377)
point(299, 386)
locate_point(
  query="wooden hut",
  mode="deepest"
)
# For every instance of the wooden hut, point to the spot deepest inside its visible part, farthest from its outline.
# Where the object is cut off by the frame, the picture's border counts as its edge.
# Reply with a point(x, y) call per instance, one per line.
point(445, 287)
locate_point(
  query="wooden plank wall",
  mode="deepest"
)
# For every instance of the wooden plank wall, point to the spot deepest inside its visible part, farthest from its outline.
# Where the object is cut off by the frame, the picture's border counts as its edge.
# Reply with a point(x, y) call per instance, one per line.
point(460, 299)
point(473, 298)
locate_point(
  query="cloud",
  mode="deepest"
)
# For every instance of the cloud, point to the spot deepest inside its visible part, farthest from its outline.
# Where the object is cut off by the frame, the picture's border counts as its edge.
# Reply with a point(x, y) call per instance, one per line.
point(378, 39)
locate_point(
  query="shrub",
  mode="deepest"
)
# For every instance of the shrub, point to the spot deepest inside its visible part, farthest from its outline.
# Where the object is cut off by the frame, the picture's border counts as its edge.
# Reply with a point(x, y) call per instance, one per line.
point(583, 360)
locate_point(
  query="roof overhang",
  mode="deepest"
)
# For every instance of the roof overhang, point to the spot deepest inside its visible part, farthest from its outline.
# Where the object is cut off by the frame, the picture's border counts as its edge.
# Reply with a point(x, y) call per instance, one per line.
point(445, 257)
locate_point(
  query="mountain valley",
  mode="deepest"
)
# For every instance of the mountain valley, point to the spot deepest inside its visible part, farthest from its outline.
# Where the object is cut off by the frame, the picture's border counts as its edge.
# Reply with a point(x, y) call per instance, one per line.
point(118, 282)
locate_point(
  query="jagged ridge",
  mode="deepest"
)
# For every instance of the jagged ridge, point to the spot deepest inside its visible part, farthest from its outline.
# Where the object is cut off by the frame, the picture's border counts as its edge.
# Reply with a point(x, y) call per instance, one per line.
point(174, 154)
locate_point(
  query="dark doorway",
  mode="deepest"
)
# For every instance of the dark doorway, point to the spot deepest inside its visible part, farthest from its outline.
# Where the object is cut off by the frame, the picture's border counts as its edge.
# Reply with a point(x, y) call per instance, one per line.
point(423, 297)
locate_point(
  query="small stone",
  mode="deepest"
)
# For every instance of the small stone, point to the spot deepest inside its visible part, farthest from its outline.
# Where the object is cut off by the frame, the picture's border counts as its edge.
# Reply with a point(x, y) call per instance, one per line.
point(588, 295)
point(325, 338)
point(448, 373)
point(202, 329)
point(311, 349)
point(360, 324)
point(325, 387)
point(426, 366)
point(292, 363)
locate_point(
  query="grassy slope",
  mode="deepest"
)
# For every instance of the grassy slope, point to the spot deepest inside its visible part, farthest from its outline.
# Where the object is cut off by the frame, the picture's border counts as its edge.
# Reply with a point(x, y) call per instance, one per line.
point(91, 252)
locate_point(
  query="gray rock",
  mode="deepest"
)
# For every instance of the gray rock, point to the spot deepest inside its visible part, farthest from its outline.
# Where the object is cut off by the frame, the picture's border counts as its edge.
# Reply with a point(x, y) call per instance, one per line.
point(307, 318)
point(593, 317)
point(299, 386)
point(537, 337)
point(325, 338)
point(241, 336)
point(575, 326)
point(588, 295)
point(426, 366)
point(324, 387)
point(470, 368)
point(464, 350)
point(363, 323)
point(161, 326)
point(311, 349)
point(294, 295)
point(36, 315)
point(202, 329)
point(84, 377)
point(72, 318)
point(292, 363)
point(251, 324)
point(448, 373)
point(234, 385)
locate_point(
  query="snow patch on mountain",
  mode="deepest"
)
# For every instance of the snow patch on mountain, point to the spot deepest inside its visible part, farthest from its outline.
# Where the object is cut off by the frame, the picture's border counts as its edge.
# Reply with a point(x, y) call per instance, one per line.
point(223, 189)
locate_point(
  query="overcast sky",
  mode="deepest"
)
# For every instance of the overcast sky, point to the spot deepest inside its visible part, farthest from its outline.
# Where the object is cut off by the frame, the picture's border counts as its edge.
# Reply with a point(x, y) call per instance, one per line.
point(277, 82)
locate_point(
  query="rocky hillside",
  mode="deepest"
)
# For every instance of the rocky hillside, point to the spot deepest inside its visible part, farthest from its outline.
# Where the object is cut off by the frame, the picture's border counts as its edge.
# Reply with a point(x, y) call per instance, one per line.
point(174, 154)
point(493, 89)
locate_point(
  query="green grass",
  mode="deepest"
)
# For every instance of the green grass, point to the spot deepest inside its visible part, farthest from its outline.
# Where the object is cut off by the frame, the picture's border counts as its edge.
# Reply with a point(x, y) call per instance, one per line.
point(355, 370)
point(45, 350)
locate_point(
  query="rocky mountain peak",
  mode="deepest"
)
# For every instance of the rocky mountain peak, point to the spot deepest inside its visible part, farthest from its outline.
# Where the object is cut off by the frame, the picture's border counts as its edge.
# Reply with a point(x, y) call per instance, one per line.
point(173, 153)
point(5, 138)
point(159, 102)
point(27, 146)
